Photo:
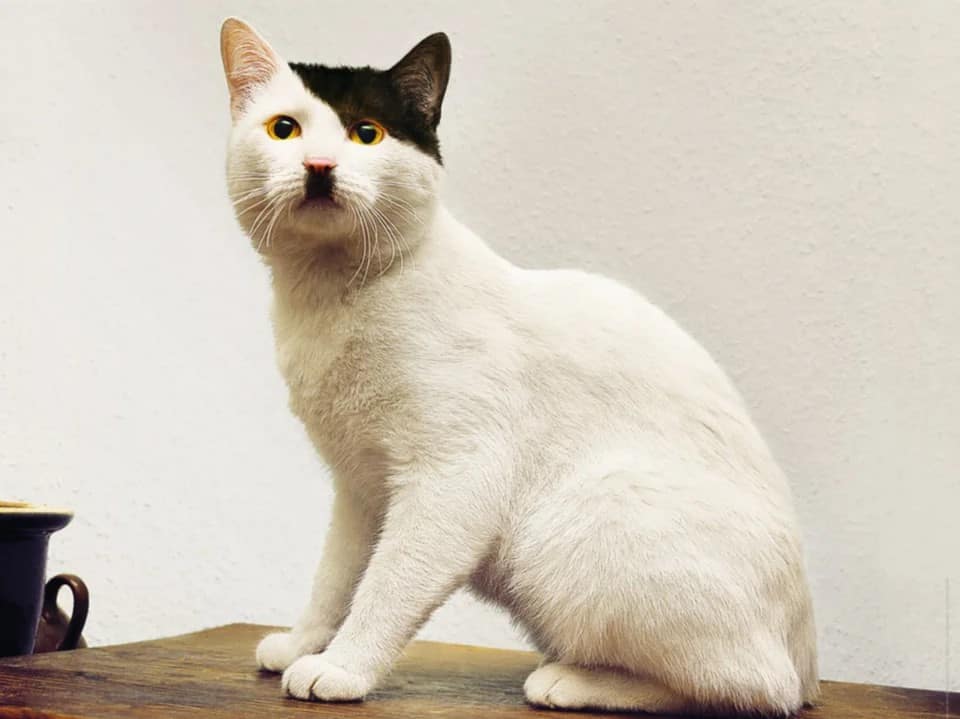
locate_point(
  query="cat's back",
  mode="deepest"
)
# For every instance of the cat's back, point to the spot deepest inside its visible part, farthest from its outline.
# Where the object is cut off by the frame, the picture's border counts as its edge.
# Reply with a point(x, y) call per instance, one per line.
point(580, 316)
point(606, 362)
point(596, 322)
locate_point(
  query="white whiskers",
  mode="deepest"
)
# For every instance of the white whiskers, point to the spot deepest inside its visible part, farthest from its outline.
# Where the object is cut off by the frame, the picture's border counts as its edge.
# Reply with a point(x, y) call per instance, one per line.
point(378, 224)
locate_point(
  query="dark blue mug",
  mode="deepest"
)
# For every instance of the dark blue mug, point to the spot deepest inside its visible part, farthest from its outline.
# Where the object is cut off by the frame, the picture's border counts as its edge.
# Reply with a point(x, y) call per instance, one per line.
point(24, 533)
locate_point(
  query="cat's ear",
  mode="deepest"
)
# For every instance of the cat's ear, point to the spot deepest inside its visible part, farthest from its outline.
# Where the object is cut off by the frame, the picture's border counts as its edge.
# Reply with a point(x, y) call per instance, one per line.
point(248, 61)
point(422, 74)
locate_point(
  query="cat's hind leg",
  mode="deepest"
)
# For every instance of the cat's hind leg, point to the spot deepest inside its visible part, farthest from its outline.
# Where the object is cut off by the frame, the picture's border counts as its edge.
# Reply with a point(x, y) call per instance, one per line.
point(568, 686)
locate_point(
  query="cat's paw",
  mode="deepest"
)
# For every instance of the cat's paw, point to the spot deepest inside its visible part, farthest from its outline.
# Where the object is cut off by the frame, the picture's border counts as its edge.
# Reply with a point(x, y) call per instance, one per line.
point(276, 652)
point(545, 687)
point(314, 677)
point(567, 686)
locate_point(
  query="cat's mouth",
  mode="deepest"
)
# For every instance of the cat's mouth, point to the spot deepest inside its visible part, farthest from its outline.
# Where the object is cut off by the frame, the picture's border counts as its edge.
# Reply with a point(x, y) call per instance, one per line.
point(319, 202)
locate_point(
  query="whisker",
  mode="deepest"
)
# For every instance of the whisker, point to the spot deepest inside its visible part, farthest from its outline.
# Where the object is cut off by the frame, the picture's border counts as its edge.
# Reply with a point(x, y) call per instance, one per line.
point(376, 215)
point(249, 208)
point(278, 208)
point(401, 183)
point(393, 235)
point(353, 229)
point(248, 195)
point(367, 235)
point(361, 268)
point(262, 217)
point(407, 210)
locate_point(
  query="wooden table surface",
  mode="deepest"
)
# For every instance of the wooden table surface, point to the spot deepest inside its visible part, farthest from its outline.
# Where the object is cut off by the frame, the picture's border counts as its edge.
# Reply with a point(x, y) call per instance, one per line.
point(211, 674)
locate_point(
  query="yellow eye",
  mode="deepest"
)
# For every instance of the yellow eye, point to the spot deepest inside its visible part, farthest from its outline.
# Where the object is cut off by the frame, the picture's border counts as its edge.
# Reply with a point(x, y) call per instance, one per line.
point(283, 127)
point(367, 132)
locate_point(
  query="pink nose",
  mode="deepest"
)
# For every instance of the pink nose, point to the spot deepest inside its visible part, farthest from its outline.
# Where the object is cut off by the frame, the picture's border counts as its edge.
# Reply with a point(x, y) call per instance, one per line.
point(321, 165)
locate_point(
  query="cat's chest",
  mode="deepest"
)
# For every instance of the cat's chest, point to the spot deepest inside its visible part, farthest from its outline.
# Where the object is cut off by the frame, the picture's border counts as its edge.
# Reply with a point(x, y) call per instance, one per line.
point(311, 349)
point(305, 360)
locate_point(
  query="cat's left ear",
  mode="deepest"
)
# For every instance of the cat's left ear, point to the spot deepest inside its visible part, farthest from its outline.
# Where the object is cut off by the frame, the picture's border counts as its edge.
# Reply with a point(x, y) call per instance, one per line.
point(422, 75)
point(248, 61)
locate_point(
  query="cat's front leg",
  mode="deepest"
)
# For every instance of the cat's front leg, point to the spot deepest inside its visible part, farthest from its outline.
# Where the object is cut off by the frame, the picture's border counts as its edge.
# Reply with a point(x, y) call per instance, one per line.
point(436, 531)
point(346, 552)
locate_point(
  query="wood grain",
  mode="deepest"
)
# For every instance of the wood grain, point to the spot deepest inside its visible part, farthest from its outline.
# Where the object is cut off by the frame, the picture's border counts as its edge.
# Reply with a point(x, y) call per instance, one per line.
point(211, 674)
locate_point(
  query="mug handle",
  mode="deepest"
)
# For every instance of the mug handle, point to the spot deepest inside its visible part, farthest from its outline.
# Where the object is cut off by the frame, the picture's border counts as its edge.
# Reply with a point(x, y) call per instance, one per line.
point(81, 603)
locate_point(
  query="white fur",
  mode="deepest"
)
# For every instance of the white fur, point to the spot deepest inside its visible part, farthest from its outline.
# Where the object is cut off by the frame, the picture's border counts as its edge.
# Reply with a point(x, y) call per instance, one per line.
point(547, 438)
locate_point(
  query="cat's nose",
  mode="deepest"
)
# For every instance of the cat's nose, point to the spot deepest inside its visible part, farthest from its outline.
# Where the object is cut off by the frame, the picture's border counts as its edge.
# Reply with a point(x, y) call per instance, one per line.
point(319, 165)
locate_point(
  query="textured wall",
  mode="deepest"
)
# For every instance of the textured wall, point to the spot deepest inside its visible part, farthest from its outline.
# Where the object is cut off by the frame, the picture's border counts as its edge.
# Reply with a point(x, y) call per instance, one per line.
point(784, 178)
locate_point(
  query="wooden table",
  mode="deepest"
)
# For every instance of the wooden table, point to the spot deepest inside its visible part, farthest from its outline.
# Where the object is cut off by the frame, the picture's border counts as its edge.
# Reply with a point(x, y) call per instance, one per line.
point(211, 674)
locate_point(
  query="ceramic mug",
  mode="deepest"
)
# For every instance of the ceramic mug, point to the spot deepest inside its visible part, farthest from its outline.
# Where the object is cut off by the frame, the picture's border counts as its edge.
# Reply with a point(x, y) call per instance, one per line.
point(24, 533)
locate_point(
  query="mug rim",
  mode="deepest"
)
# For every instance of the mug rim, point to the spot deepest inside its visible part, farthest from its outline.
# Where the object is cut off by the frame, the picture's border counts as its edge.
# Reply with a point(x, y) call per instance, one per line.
point(26, 518)
point(7, 507)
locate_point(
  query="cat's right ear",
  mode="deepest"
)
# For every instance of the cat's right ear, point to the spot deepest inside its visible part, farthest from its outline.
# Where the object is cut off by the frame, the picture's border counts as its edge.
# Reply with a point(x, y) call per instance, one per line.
point(248, 61)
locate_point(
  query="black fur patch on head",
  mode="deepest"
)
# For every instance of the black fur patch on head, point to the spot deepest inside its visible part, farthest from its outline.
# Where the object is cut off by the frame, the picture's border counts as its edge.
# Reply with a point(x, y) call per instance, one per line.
point(405, 99)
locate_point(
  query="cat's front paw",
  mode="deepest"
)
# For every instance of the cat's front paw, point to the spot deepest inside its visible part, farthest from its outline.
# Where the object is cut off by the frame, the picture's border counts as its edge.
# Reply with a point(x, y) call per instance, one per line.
point(314, 677)
point(276, 652)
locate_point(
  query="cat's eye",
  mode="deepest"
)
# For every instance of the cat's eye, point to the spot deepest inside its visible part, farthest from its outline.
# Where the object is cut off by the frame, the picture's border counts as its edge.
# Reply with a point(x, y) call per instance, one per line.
point(283, 127)
point(367, 132)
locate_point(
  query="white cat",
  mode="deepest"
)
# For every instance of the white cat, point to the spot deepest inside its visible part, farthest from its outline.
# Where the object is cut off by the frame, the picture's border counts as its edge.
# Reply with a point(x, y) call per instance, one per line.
point(547, 438)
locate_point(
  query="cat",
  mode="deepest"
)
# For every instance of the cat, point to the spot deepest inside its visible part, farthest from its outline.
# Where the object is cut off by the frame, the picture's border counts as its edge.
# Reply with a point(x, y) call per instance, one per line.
point(548, 439)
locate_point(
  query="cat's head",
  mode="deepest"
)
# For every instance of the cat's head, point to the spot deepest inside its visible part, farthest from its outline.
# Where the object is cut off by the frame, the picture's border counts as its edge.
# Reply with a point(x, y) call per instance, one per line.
point(332, 157)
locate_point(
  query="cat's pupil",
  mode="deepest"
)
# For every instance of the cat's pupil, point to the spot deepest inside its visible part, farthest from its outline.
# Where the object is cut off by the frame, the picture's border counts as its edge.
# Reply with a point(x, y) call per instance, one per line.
point(283, 128)
point(367, 133)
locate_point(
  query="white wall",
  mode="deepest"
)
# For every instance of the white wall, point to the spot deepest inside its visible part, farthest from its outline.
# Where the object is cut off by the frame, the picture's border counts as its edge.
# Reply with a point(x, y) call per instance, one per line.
point(784, 178)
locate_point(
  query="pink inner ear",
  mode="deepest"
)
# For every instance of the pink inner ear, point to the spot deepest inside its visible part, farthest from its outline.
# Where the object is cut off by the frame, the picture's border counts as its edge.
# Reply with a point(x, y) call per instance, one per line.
point(248, 61)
